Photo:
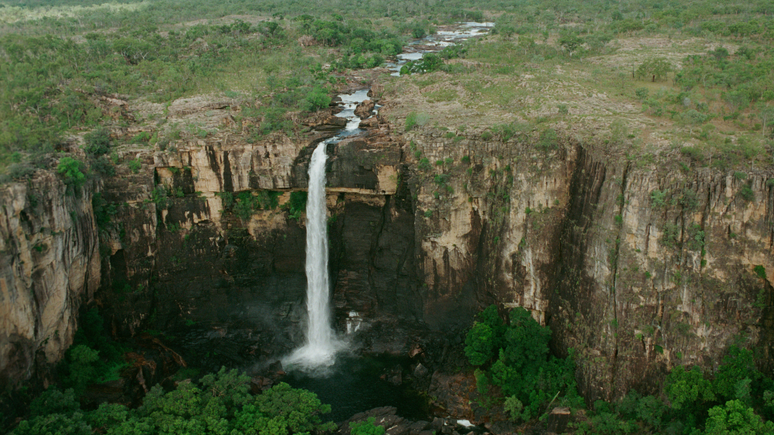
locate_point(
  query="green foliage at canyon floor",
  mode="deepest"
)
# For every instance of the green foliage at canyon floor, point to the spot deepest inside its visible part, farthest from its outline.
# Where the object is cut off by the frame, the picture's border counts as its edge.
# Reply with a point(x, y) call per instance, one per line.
point(514, 358)
point(218, 404)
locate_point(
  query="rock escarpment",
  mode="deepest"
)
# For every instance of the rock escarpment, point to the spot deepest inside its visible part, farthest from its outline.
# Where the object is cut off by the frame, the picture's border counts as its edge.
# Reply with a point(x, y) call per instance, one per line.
point(636, 269)
point(49, 264)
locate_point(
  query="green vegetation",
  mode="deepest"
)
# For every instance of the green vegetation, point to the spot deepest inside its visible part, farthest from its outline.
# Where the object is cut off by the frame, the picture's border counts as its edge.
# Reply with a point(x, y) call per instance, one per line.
point(72, 171)
point(245, 204)
point(93, 357)
point(519, 363)
point(219, 404)
point(514, 356)
point(368, 427)
point(297, 204)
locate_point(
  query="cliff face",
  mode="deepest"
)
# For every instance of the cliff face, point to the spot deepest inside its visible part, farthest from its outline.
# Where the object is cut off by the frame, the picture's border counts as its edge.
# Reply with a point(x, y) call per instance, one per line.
point(49, 263)
point(636, 269)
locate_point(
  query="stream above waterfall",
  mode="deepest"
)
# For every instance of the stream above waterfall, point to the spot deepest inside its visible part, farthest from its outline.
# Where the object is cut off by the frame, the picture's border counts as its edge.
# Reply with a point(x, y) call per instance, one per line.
point(444, 37)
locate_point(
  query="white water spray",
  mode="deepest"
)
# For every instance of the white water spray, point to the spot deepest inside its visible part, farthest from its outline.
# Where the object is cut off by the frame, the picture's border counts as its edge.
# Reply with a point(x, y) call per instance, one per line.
point(321, 345)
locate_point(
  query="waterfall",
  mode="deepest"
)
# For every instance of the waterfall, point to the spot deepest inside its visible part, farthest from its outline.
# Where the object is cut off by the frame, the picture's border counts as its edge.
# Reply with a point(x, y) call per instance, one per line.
point(321, 343)
point(319, 351)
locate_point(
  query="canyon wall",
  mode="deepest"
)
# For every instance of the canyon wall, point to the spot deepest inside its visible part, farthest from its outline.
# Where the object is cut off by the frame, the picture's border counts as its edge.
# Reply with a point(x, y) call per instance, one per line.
point(49, 264)
point(636, 269)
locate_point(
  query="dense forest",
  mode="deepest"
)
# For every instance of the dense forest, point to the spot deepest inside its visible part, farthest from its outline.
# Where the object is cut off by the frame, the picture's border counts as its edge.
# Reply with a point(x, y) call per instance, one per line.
point(697, 76)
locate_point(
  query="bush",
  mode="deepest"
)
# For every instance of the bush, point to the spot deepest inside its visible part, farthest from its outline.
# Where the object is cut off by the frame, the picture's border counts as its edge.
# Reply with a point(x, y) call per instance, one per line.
point(368, 427)
point(414, 119)
point(135, 165)
point(297, 204)
point(72, 171)
point(317, 99)
point(97, 142)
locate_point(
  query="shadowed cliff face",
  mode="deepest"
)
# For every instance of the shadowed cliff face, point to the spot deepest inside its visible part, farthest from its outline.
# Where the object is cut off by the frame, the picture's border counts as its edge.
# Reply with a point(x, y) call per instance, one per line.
point(636, 269)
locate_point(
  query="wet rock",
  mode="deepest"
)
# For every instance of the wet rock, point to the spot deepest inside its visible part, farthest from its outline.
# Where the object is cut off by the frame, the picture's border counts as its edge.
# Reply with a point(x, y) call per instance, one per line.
point(420, 371)
point(260, 383)
point(364, 109)
point(501, 427)
point(369, 123)
point(331, 123)
point(453, 392)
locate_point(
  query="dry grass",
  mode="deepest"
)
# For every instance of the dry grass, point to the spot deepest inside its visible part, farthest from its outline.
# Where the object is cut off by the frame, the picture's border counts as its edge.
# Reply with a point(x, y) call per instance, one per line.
point(580, 98)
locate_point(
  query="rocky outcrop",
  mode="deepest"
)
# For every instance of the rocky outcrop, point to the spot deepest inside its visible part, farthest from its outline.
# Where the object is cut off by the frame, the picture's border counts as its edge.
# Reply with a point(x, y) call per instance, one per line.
point(50, 262)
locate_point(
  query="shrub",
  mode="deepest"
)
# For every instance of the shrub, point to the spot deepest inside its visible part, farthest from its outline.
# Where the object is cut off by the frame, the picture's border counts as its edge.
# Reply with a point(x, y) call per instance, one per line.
point(548, 140)
point(317, 99)
point(414, 119)
point(746, 193)
point(368, 427)
point(297, 204)
point(72, 171)
point(135, 165)
point(97, 142)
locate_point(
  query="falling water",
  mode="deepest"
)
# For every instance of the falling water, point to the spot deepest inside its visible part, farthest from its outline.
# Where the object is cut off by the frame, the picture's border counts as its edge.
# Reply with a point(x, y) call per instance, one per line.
point(319, 351)
point(321, 344)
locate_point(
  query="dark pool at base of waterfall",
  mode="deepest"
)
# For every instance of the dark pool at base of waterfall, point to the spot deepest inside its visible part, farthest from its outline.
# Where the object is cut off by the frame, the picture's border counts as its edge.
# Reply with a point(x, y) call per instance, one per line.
point(359, 383)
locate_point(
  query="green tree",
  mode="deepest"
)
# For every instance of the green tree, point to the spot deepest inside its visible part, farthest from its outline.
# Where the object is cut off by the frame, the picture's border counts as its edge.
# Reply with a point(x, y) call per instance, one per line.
point(687, 390)
point(485, 337)
point(735, 418)
point(72, 171)
point(97, 142)
point(738, 367)
point(657, 68)
point(80, 367)
point(317, 99)
point(570, 42)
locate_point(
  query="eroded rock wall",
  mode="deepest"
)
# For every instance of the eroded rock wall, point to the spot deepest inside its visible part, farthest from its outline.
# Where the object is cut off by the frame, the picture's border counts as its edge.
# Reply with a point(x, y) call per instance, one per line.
point(636, 269)
point(49, 263)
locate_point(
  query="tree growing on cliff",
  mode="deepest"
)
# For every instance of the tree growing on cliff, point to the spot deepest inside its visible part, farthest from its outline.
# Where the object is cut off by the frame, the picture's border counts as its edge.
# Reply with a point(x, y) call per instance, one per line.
point(72, 171)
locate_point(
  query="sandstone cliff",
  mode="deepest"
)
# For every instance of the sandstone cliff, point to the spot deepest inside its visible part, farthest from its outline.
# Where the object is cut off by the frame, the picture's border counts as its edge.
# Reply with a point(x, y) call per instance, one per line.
point(637, 269)
point(50, 263)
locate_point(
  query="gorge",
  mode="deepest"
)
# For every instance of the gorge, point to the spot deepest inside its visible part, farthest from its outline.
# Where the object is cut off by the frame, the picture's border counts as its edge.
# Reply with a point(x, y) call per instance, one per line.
point(376, 227)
